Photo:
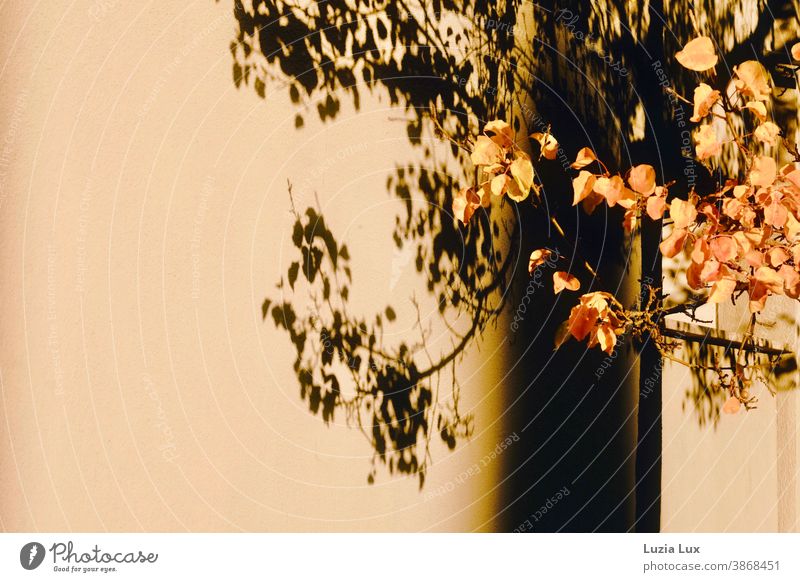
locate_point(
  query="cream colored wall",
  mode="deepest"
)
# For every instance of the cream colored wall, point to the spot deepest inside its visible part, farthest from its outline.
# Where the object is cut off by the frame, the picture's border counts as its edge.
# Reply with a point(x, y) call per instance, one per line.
point(144, 217)
point(739, 475)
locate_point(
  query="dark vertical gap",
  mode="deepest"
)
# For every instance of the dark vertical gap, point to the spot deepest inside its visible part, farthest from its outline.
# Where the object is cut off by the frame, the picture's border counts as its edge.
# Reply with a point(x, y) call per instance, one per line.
point(649, 440)
point(668, 130)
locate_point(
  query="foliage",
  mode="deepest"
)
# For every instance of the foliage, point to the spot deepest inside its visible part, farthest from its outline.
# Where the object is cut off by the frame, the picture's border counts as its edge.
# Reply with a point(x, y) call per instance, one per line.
point(465, 59)
point(741, 237)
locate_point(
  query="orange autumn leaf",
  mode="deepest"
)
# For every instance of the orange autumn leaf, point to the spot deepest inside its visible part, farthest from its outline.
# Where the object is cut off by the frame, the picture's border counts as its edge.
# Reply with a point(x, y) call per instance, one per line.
point(732, 405)
point(706, 141)
point(754, 258)
point(673, 244)
point(723, 248)
point(643, 179)
point(712, 271)
point(612, 189)
point(582, 319)
point(791, 281)
point(522, 171)
point(775, 213)
point(585, 157)
point(791, 175)
point(606, 338)
point(722, 290)
point(764, 281)
point(698, 54)
point(563, 280)
point(777, 256)
point(537, 259)
point(486, 152)
point(465, 203)
point(701, 251)
point(763, 172)
point(582, 186)
point(656, 205)
point(704, 99)
point(758, 108)
point(792, 227)
point(682, 213)
point(770, 279)
point(752, 79)
point(630, 220)
point(548, 144)
point(503, 133)
point(562, 335)
point(592, 201)
point(693, 275)
point(767, 132)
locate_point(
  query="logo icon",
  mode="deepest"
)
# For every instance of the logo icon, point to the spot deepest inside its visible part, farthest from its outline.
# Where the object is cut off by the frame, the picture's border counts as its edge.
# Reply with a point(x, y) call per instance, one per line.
point(31, 555)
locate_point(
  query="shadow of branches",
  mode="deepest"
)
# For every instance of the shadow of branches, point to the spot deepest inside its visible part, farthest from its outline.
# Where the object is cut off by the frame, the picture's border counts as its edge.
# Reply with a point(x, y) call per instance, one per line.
point(463, 60)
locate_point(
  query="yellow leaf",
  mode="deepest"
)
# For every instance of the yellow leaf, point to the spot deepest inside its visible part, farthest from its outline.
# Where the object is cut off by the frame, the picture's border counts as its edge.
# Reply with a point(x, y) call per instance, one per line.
point(770, 279)
point(704, 99)
point(792, 227)
point(767, 132)
point(722, 290)
point(522, 172)
point(562, 334)
point(537, 259)
point(791, 280)
point(548, 144)
point(610, 188)
point(753, 80)
point(465, 203)
point(758, 108)
point(503, 133)
point(777, 256)
point(486, 152)
point(698, 54)
point(499, 184)
point(606, 338)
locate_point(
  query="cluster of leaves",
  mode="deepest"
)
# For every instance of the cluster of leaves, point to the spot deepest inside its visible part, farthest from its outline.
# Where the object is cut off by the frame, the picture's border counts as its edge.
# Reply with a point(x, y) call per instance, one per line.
point(741, 239)
point(505, 168)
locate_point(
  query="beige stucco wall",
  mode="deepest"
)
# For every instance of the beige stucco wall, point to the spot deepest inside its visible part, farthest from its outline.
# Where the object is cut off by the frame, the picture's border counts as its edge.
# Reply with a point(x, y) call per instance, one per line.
point(144, 217)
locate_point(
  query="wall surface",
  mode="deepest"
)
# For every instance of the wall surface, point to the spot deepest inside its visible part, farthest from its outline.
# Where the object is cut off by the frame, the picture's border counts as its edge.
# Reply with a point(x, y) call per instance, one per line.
point(144, 217)
point(732, 472)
